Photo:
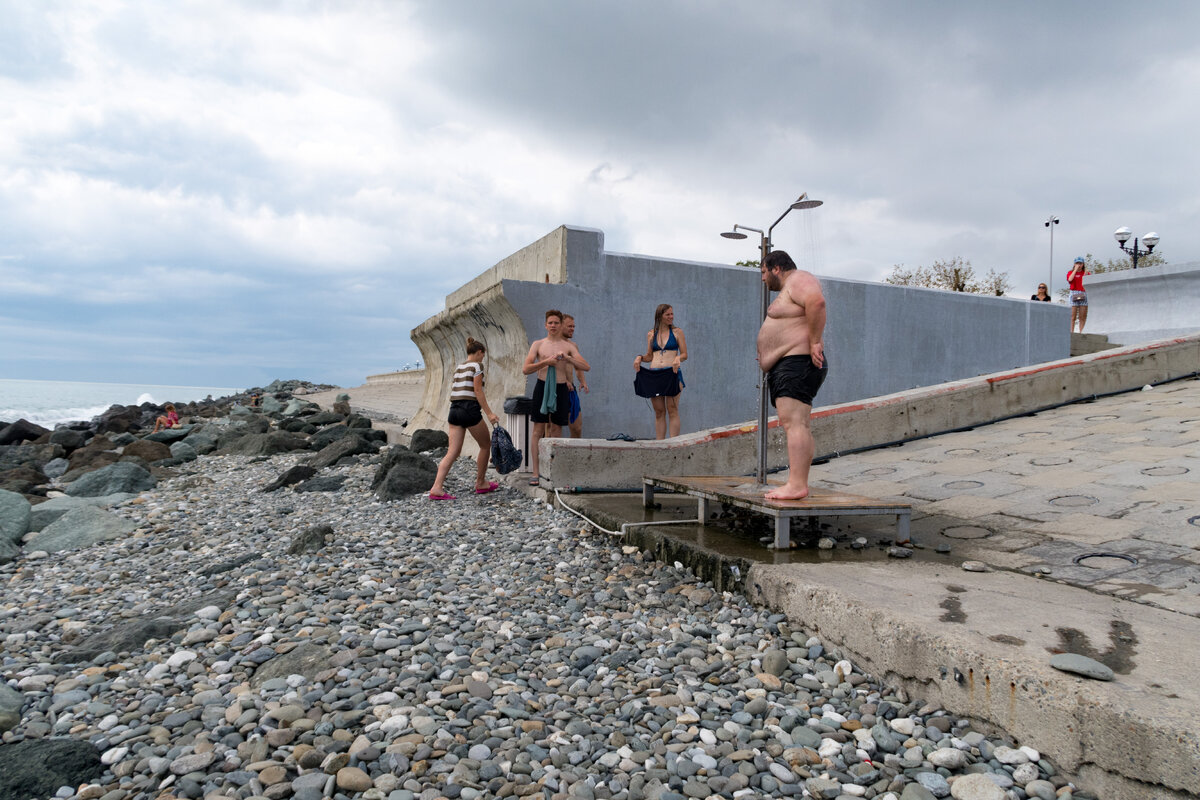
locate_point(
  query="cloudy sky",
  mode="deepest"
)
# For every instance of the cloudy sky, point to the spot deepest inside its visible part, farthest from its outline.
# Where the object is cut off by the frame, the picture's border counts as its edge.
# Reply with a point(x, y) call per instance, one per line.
point(222, 193)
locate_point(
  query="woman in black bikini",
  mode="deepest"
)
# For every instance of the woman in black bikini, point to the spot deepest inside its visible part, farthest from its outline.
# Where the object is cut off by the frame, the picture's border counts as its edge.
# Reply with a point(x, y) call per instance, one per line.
point(658, 375)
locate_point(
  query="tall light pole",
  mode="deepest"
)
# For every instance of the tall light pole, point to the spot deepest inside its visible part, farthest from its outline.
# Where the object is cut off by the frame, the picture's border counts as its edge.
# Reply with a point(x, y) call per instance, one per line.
point(1050, 223)
point(1122, 236)
point(764, 248)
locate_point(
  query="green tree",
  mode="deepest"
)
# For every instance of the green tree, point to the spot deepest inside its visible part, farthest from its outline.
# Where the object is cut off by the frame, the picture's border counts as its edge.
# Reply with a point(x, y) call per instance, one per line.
point(752, 264)
point(953, 275)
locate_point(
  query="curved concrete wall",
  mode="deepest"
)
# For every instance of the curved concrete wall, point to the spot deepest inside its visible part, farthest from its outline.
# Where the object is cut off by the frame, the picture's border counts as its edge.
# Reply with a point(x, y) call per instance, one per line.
point(1134, 306)
point(880, 338)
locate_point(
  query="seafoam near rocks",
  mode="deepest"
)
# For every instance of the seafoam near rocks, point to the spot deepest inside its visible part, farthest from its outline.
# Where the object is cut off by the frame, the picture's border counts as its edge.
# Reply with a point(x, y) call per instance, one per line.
point(282, 644)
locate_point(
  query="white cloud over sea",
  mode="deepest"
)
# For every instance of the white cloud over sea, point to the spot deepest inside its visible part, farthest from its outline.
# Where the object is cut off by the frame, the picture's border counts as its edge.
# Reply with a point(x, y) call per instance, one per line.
point(229, 192)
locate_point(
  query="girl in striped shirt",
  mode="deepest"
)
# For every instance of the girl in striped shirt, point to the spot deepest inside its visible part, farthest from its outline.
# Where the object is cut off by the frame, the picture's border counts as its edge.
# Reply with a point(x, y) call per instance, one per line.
point(468, 404)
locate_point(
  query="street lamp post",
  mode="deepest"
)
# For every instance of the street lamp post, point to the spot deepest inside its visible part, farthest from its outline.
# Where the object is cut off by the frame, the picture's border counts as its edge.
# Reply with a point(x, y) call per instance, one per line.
point(1050, 223)
point(1122, 236)
point(764, 248)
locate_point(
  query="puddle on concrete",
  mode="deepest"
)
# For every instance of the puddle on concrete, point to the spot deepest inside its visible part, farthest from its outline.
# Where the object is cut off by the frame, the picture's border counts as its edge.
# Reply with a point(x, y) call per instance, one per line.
point(1004, 638)
point(953, 608)
point(1118, 657)
point(739, 536)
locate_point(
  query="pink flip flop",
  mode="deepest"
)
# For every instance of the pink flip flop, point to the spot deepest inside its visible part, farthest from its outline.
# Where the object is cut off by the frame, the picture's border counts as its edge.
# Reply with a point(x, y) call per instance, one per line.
point(442, 497)
point(491, 487)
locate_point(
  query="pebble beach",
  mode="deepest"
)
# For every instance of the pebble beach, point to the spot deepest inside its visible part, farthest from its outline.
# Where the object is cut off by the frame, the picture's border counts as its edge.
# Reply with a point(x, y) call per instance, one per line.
point(327, 644)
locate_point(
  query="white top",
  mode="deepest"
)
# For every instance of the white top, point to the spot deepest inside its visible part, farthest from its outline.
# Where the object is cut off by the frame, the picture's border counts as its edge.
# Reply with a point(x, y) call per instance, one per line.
point(463, 385)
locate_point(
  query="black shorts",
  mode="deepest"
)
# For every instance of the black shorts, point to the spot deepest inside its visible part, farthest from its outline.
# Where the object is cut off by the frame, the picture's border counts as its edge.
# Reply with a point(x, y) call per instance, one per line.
point(561, 415)
point(465, 413)
point(649, 382)
point(797, 378)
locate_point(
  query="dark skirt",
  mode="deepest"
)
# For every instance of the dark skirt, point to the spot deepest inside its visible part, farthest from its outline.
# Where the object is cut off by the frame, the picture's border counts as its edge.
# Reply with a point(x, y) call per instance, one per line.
point(465, 413)
point(657, 382)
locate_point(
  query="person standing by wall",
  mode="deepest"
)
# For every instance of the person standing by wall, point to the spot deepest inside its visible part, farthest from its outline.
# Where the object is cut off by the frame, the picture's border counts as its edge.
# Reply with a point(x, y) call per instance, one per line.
point(549, 358)
point(791, 350)
point(1079, 303)
point(1042, 295)
point(658, 373)
point(468, 404)
point(575, 418)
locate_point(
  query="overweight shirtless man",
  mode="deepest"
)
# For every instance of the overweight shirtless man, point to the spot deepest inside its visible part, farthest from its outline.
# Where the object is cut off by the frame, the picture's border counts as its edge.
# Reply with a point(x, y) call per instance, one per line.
point(553, 351)
point(791, 351)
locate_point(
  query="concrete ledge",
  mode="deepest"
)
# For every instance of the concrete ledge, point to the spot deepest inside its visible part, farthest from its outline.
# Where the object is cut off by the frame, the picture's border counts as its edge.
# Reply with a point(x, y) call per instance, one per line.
point(1130, 739)
point(405, 377)
point(732, 450)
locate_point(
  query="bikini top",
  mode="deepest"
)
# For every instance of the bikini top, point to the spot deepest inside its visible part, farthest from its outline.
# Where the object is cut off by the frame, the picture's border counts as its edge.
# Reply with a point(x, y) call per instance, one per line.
point(672, 344)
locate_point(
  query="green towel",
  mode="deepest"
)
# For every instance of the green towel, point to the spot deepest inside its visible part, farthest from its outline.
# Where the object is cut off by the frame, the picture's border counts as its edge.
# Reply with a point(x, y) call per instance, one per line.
point(550, 395)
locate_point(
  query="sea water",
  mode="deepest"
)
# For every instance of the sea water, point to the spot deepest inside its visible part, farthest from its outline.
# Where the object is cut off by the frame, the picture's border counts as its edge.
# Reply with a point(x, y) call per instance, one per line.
point(49, 403)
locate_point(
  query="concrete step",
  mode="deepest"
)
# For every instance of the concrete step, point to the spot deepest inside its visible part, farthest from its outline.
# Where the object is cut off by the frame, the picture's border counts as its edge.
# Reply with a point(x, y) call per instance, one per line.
point(1084, 343)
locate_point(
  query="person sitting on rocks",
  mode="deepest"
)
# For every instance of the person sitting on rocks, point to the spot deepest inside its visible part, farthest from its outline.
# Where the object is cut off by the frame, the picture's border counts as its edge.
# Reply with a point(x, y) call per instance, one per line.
point(169, 420)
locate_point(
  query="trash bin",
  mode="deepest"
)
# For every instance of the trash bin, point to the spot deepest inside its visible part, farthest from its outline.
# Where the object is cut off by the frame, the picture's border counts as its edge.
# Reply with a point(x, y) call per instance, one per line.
point(516, 422)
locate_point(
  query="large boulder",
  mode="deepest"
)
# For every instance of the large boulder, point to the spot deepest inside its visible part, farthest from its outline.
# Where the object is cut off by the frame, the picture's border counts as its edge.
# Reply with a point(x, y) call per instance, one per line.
point(81, 527)
point(203, 441)
point(23, 480)
point(326, 436)
point(55, 468)
point(403, 473)
point(119, 419)
point(168, 435)
point(121, 477)
point(182, 451)
point(20, 455)
point(43, 514)
point(426, 439)
point(298, 473)
point(130, 635)
point(9, 551)
point(21, 431)
point(324, 483)
point(39, 767)
point(358, 422)
point(346, 446)
point(326, 418)
point(69, 439)
point(11, 702)
point(296, 407)
point(148, 451)
point(265, 444)
point(99, 451)
point(15, 515)
point(271, 406)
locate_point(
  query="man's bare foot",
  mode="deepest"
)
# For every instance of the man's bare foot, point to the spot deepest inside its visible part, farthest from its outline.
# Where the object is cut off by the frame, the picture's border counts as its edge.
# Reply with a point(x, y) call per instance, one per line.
point(787, 492)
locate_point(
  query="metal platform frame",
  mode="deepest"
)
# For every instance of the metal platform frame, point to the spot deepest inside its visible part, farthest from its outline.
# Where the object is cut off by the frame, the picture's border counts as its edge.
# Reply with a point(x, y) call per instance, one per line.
point(743, 492)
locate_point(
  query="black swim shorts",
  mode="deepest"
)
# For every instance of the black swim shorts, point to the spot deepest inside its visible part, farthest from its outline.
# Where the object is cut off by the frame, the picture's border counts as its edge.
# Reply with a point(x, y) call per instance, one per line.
point(465, 413)
point(797, 378)
point(561, 415)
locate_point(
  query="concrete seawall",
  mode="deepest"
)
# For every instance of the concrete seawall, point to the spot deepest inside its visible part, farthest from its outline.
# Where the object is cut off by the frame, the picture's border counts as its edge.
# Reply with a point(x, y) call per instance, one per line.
point(732, 450)
point(1134, 306)
point(879, 338)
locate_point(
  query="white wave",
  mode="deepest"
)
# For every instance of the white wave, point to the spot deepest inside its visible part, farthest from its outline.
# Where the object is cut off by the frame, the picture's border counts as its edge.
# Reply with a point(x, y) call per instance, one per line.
point(145, 397)
point(49, 417)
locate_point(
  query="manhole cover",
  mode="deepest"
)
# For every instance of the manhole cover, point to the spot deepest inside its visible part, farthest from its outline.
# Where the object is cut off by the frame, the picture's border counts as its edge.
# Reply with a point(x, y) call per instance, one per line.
point(962, 451)
point(875, 471)
point(1049, 461)
point(962, 485)
point(1101, 417)
point(1104, 560)
point(1035, 434)
point(966, 532)
point(1074, 501)
point(1163, 471)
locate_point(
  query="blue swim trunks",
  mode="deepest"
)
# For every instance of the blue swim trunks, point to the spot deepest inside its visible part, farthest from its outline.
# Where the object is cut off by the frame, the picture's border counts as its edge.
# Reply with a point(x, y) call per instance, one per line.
point(574, 405)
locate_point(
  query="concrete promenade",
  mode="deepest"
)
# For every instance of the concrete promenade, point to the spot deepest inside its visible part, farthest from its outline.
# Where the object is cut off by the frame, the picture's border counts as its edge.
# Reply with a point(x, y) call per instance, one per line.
point(1087, 518)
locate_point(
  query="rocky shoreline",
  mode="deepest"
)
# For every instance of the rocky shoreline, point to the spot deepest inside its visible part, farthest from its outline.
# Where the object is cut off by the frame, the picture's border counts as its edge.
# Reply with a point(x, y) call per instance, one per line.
point(287, 615)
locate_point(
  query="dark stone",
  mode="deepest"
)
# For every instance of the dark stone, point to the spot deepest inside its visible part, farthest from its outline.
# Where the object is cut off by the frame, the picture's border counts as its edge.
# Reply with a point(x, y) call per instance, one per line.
point(356, 421)
point(326, 483)
point(334, 452)
point(308, 659)
point(326, 418)
point(120, 477)
point(9, 551)
point(425, 439)
point(23, 479)
point(265, 444)
point(150, 451)
point(404, 473)
point(327, 436)
point(81, 527)
point(310, 539)
point(70, 440)
point(203, 441)
point(232, 563)
point(294, 425)
point(96, 453)
point(21, 431)
point(35, 455)
point(342, 407)
point(298, 473)
point(119, 419)
point(15, 516)
point(38, 767)
point(168, 435)
point(130, 636)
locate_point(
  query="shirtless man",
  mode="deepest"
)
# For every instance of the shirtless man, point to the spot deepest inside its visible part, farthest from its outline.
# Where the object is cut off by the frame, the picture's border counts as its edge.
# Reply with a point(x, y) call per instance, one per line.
point(791, 351)
point(575, 424)
point(553, 351)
